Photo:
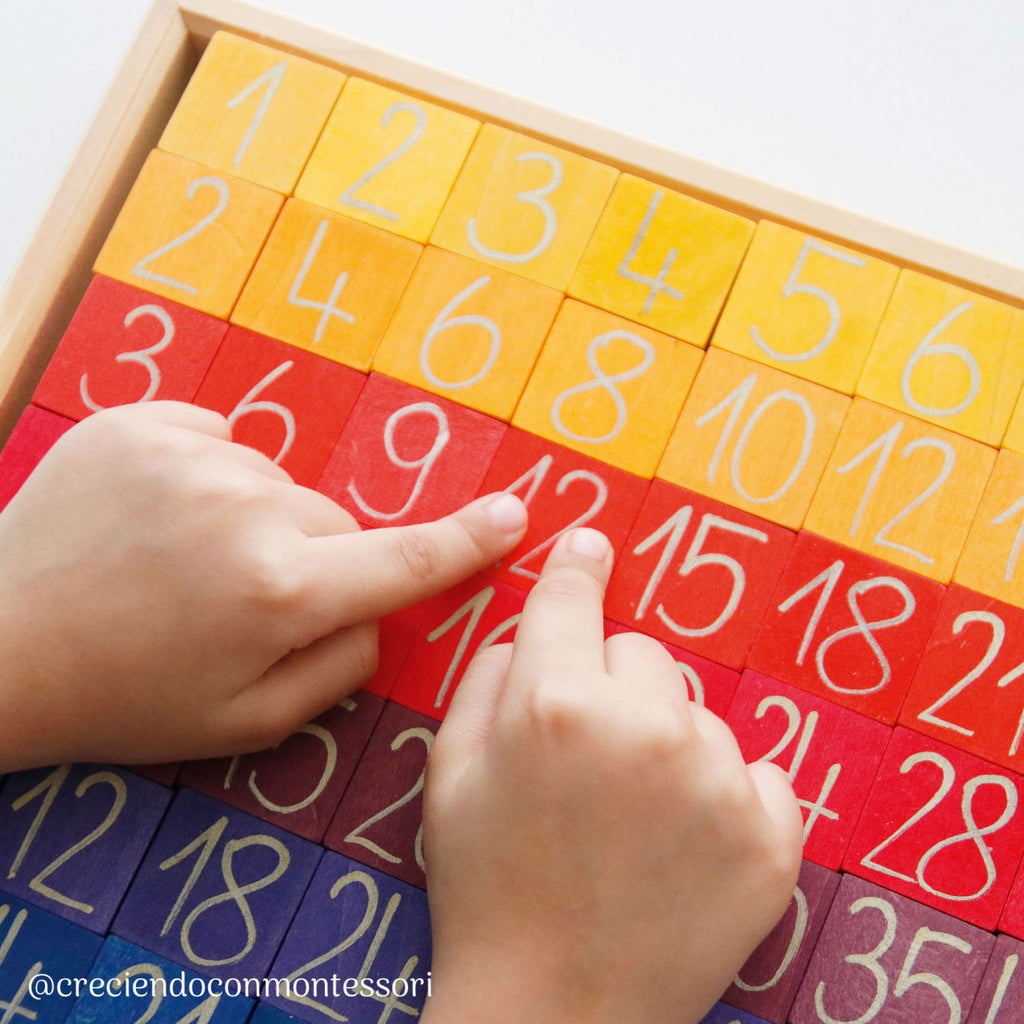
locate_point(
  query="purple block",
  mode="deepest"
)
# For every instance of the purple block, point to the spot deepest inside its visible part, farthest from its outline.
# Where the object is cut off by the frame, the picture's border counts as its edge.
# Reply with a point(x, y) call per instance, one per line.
point(349, 911)
point(884, 957)
point(72, 836)
point(1000, 999)
point(721, 1013)
point(217, 888)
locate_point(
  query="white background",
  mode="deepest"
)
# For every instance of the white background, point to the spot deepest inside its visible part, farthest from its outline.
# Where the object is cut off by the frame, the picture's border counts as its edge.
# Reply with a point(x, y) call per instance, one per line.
point(909, 111)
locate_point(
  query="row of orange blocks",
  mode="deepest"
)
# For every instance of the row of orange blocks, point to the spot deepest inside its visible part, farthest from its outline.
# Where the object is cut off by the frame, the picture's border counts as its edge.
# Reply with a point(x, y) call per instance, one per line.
point(576, 301)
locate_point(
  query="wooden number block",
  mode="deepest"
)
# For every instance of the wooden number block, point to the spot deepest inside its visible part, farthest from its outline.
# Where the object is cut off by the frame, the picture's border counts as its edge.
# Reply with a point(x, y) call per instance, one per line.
point(830, 753)
point(396, 634)
point(299, 783)
point(753, 437)
point(969, 686)
point(805, 306)
point(289, 404)
point(697, 573)
point(722, 1013)
point(847, 627)
point(125, 345)
point(707, 683)
point(35, 433)
point(252, 111)
point(468, 332)
point(267, 1014)
point(34, 942)
point(217, 889)
point(524, 205)
point(406, 456)
point(457, 624)
point(900, 490)
point(387, 159)
point(562, 489)
point(362, 941)
point(326, 283)
point(165, 774)
point(1014, 436)
point(662, 258)
point(767, 983)
point(72, 836)
point(948, 356)
point(1012, 919)
point(152, 989)
point(889, 960)
point(940, 826)
point(1001, 994)
point(990, 559)
point(607, 388)
point(379, 821)
point(187, 234)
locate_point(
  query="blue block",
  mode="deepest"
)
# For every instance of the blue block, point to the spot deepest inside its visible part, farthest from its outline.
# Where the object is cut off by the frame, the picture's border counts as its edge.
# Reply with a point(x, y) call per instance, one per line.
point(347, 910)
point(723, 1014)
point(267, 1014)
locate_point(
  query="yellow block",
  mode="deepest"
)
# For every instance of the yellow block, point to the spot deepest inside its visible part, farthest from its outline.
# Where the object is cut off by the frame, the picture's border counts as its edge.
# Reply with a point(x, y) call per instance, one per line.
point(188, 234)
point(525, 206)
point(326, 283)
point(252, 111)
point(662, 259)
point(1014, 436)
point(468, 332)
point(806, 306)
point(948, 356)
point(900, 489)
point(608, 388)
point(991, 561)
point(387, 159)
point(754, 437)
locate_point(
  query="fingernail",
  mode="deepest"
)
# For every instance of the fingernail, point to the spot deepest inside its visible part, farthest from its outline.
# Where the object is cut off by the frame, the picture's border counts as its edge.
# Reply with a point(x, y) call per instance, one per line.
point(506, 512)
point(589, 543)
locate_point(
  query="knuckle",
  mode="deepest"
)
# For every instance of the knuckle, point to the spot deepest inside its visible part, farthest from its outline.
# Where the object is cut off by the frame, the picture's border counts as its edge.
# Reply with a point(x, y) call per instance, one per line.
point(419, 555)
point(565, 587)
point(554, 713)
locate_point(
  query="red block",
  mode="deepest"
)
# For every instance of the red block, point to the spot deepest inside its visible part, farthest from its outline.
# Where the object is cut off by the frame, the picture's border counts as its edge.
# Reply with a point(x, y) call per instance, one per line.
point(124, 345)
point(379, 821)
point(846, 626)
point(831, 754)
point(767, 983)
point(888, 960)
point(707, 683)
point(941, 826)
point(396, 633)
point(562, 489)
point(33, 436)
point(1001, 995)
point(969, 686)
point(299, 783)
point(1012, 919)
point(287, 403)
point(408, 457)
point(165, 774)
point(697, 573)
point(456, 625)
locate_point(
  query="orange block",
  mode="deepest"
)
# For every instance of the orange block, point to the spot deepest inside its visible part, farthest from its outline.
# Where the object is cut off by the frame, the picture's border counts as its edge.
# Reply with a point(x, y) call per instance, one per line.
point(524, 205)
point(387, 159)
point(754, 437)
point(901, 490)
point(468, 332)
point(252, 111)
point(326, 283)
point(607, 388)
point(187, 234)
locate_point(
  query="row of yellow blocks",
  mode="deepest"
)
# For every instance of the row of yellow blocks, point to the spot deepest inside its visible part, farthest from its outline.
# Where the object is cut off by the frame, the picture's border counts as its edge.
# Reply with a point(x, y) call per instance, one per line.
point(547, 221)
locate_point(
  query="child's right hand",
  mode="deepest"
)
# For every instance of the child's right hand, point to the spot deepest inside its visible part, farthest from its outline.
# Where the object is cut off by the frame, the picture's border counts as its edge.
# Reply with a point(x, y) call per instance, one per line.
point(596, 848)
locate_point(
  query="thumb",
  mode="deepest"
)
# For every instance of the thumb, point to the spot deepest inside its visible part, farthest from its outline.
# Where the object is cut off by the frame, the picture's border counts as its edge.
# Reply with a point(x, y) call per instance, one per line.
point(364, 576)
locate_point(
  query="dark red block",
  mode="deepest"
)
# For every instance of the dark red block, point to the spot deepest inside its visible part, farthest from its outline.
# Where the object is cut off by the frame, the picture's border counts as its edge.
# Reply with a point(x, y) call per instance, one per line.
point(1000, 998)
point(33, 436)
point(396, 633)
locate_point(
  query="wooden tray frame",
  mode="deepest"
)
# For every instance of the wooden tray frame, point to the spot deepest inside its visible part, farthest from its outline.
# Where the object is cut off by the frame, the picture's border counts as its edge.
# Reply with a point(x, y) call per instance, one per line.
point(45, 289)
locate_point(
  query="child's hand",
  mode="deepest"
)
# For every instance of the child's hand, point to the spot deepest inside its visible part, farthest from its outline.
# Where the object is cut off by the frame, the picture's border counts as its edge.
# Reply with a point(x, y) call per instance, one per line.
point(165, 593)
point(597, 851)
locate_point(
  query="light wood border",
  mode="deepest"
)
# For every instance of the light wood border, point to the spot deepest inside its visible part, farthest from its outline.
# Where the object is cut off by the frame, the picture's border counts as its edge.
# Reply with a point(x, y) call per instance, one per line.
point(45, 289)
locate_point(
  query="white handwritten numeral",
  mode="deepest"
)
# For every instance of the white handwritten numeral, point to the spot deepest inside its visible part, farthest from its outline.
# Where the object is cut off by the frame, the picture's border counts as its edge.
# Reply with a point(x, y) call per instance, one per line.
point(204, 844)
point(606, 382)
point(423, 464)
point(201, 1013)
point(929, 348)
point(11, 1008)
point(144, 356)
point(1018, 537)
point(534, 197)
point(141, 269)
point(971, 834)
point(655, 284)
point(247, 406)
point(795, 940)
point(445, 321)
point(794, 286)
point(737, 398)
point(419, 127)
point(1010, 965)
point(271, 78)
point(330, 307)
